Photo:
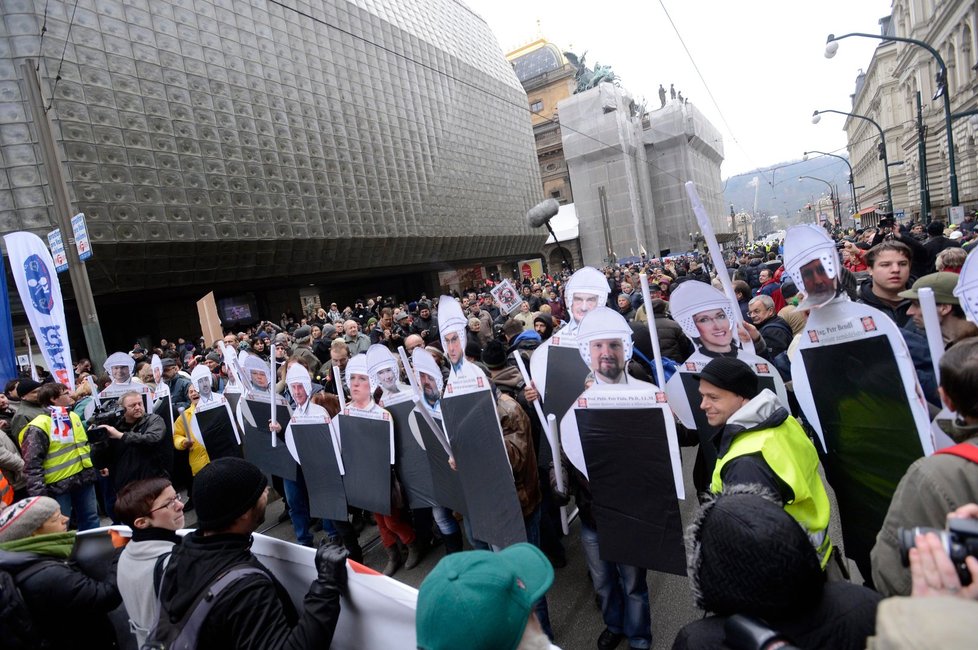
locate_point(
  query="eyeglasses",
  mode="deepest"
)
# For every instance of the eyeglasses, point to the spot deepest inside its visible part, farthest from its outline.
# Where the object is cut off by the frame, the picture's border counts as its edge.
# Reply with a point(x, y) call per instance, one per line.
point(170, 503)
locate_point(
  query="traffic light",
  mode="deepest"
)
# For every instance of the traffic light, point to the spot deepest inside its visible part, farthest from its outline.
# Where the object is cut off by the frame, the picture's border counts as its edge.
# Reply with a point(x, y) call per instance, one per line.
point(941, 83)
point(881, 150)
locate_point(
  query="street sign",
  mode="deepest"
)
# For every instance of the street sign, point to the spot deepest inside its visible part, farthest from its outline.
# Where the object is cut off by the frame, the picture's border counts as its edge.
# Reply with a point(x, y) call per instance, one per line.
point(899, 214)
point(80, 231)
point(955, 214)
point(58, 250)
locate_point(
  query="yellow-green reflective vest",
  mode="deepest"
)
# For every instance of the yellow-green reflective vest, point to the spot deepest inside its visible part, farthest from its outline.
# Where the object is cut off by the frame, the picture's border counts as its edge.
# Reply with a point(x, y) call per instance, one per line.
point(790, 454)
point(63, 459)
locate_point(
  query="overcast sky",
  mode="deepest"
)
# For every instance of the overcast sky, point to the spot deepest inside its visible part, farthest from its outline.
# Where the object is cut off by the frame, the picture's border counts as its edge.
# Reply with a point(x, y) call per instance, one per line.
point(762, 60)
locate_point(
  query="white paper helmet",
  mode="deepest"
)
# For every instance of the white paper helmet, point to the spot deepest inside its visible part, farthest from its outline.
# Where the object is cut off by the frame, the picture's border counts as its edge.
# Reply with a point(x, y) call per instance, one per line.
point(693, 297)
point(297, 374)
point(967, 289)
point(380, 358)
point(119, 359)
point(357, 366)
point(424, 362)
point(587, 280)
point(603, 323)
point(200, 373)
point(804, 244)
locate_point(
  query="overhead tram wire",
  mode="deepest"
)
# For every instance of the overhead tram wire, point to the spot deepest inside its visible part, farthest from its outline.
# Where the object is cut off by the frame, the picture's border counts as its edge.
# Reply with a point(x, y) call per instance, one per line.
point(709, 92)
point(522, 106)
point(57, 78)
point(40, 41)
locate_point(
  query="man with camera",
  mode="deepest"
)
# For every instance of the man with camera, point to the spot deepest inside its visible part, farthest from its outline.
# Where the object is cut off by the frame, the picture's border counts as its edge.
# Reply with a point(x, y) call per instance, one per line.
point(57, 457)
point(938, 484)
point(141, 449)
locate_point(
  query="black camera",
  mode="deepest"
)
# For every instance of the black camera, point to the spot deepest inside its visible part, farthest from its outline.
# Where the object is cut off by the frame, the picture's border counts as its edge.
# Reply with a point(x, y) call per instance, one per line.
point(110, 414)
point(960, 540)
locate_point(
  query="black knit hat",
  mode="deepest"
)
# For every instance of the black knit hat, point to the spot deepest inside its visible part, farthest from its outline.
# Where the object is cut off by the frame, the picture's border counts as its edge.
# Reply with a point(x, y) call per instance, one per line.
point(25, 386)
point(494, 355)
point(473, 350)
point(748, 556)
point(731, 374)
point(226, 489)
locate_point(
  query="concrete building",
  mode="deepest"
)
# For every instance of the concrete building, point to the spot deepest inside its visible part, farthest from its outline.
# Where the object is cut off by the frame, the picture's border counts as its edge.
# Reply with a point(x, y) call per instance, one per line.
point(888, 94)
point(248, 148)
point(629, 169)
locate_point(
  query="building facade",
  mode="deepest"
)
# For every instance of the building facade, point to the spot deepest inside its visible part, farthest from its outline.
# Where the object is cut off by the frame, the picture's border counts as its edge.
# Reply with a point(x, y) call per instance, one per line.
point(240, 145)
point(890, 95)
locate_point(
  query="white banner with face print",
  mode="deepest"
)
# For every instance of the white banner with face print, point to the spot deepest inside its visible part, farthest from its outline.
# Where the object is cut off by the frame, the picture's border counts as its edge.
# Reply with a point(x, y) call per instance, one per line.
point(37, 283)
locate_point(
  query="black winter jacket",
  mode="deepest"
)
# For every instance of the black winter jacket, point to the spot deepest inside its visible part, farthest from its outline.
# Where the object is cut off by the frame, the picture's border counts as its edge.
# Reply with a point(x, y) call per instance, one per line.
point(253, 613)
point(144, 451)
point(68, 607)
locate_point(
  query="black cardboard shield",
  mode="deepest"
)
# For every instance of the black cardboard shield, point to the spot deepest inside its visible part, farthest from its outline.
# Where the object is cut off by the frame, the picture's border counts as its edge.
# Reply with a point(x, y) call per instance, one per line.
point(327, 497)
point(258, 449)
point(634, 492)
point(483, 468)
point(411, 461)
point(217, 430)
point(566, 373)
point(869, 430)
point(366, 448)
point(446, 485)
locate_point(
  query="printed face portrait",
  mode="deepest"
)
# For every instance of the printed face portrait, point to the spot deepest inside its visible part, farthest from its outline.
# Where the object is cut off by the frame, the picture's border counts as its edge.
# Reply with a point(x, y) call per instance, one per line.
point(607, 358)
point(298, 392)
point(259, 379)
point(204, 387)
point(360, 390)
point(453, 347)
point(582, 303)
point(714, 331)
point(157, 375)
point(429, 388)
point(387, 379)
point(120, 374)
point(816, 280)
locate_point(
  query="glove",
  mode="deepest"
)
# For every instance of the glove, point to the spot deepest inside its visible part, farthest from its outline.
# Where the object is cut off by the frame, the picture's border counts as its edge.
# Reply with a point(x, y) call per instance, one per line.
point(331, 565)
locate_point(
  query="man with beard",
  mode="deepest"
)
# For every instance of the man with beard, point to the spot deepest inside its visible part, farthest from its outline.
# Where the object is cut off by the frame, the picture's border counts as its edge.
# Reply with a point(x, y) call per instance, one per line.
point(253, 610)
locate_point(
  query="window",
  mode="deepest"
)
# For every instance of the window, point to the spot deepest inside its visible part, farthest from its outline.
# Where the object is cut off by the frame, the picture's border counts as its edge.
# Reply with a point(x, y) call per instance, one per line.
point(555, 194)
point(536, 106)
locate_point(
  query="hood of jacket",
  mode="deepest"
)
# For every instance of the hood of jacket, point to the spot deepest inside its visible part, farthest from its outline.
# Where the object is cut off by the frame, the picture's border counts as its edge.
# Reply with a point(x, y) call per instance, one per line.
point(762, 412)
point(196, 562)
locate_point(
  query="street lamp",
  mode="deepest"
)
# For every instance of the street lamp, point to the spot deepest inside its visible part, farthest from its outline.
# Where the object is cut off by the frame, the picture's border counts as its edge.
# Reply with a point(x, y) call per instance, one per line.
point(832, 46)
point(852, 177)
point(816, 117)
point(835, 212)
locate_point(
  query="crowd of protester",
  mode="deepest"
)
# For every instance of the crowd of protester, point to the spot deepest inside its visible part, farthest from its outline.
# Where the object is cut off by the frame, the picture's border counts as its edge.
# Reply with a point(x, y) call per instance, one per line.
point(748, 556)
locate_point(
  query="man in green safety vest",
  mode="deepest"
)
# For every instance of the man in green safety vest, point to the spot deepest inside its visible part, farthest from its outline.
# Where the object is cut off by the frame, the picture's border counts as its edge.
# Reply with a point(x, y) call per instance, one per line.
point(57, 457)
point(760, 443)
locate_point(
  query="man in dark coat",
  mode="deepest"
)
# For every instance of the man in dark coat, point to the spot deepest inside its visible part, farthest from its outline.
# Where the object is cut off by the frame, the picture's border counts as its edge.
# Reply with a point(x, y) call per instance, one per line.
point(776, 332)
point(141, 448)
point(935, 243)
point(254, 612)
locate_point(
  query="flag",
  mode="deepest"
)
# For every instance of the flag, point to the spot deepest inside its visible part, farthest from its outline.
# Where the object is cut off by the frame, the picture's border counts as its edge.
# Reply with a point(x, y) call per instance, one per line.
point(40, 292)
point(8, 357)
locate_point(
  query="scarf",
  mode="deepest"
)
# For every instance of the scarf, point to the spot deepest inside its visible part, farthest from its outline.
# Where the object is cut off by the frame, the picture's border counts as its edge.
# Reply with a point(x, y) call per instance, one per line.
point(57, 545)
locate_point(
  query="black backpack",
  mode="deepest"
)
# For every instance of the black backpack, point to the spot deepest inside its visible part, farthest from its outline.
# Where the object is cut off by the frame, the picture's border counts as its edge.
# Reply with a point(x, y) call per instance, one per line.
point(171, 633)
point(17, 627)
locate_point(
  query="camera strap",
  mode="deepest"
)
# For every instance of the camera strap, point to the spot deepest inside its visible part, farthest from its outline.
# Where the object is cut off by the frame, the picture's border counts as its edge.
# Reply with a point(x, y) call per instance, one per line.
point(963, 450)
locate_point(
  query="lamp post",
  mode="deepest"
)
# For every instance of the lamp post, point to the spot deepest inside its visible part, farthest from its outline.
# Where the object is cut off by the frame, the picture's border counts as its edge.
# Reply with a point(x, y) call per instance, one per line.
point(852, 177)
point(816, 117)
point(835, 207)
point(832, 46)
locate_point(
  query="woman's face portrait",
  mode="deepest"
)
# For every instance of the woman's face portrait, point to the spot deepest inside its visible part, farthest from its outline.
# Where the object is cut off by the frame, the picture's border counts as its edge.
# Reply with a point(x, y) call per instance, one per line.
point(714, 330)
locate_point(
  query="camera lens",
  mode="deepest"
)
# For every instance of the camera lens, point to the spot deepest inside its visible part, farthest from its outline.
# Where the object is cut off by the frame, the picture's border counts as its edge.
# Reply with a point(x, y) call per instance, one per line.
point(906, 538)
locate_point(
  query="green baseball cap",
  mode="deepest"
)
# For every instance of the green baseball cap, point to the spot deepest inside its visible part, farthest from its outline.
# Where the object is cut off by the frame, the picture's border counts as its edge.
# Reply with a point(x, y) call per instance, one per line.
point(942, 283)
point(480, 600)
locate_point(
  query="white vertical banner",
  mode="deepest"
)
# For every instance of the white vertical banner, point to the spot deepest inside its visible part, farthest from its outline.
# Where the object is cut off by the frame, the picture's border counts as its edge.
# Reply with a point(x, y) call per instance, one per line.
point(40, 292)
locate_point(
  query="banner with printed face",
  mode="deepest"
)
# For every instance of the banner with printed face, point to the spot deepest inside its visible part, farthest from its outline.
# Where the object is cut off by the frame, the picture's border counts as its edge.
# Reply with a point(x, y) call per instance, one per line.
point(469, 413)
point(856, 384)
point(623, 440)
point(258, 448)
point(40, 292)
point(316, 452)
point(411, 461)
point(506, 296)
point(445, 483)
point(367, 446)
